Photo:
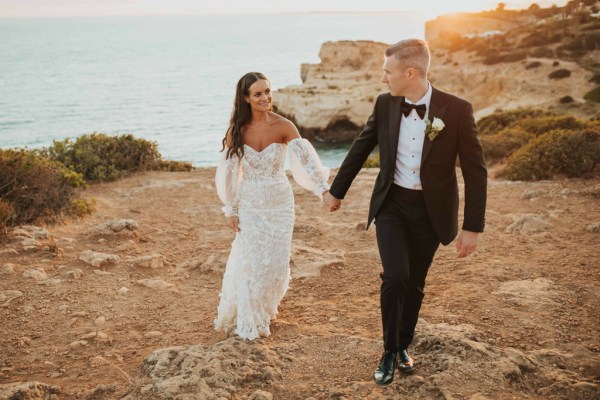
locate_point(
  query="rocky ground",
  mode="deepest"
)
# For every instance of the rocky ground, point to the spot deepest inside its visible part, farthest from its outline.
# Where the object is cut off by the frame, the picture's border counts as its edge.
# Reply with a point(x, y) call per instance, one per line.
point(121, 304)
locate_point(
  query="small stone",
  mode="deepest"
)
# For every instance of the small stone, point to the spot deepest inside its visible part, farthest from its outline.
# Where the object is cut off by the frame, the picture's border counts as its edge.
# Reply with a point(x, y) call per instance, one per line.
point(7, 269)
point(594, 228)
point(96, 259)
point(260, 395)
point(78, 343)
point(153, 261)
point(98, 361)
point(63, 308)
point(51, 281)
point(156, 283)
point(114, 226)
point(30, 242)
point(101, 240)
point(75, 273)
point(153, 334)
point(102, 273)
point(37, 274)
point(9, 251)
point(101, 320)
point(123, 291)
point(6, 296)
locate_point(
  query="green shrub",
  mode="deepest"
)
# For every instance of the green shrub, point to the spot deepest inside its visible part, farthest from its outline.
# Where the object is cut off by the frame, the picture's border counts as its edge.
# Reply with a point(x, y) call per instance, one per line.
point(504, 58)
point(172, 166)
point(583, 43)
point(34, 188)
point(593, 95)
point(541, 125)
point(542, 52)
point(373, 161)
point(499, 146)
point(532, 65)
point(499, 120)
point(99, 157)
point(558, 152)
point(566, 99)
point(559, 74)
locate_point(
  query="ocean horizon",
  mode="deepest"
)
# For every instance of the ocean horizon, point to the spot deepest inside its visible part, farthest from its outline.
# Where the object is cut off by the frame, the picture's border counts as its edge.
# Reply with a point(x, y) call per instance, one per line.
point(166, 79)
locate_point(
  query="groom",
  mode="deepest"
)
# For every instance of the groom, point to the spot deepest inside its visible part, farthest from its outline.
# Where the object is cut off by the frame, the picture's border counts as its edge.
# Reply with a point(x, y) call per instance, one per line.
point(415, 198)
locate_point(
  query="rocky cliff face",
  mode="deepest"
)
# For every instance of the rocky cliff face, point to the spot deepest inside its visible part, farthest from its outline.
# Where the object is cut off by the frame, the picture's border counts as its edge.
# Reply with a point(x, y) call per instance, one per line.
point(338, 94)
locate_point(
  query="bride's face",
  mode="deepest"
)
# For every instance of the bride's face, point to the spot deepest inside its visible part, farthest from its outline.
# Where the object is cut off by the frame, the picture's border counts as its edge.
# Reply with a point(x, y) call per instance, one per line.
point(259, 96)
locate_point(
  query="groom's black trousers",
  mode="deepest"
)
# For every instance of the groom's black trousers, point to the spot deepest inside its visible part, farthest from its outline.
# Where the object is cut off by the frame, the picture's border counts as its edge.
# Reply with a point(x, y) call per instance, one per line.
point(407, 243)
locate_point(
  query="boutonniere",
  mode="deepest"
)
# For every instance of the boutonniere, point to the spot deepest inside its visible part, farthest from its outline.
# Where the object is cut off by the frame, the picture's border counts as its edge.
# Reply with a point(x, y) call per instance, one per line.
point(432, 129)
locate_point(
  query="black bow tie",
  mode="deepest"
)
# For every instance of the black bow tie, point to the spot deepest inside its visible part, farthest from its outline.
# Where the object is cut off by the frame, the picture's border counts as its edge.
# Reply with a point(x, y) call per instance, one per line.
point(421, 109)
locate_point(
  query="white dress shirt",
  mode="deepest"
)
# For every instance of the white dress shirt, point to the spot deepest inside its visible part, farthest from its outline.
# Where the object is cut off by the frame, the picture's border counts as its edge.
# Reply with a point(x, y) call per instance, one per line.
point(410, 146)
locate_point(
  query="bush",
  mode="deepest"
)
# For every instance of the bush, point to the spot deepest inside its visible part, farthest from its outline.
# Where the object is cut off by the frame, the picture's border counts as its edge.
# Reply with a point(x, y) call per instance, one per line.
point(541, 125)
point(532, 65)
point(99, 157)
point(373, 161)
point(34, 188)
point(593, 95)
point(566, 99)
point(558, 152)
point(595, 79)
point(172, 166)
point(542, 52)
point(499, 120)
point(499, 146)
point(504, 58)
point(559, 74)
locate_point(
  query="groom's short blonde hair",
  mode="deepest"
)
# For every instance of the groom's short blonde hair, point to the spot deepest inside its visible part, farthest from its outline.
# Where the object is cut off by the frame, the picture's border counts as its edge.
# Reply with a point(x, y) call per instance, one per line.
point(412, 53)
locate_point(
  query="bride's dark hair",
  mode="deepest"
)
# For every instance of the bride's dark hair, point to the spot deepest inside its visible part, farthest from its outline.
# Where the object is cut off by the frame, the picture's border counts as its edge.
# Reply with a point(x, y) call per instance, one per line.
point(241, 114)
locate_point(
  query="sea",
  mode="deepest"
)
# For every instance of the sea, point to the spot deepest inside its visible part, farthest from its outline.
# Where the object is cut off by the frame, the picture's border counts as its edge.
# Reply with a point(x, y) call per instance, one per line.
point(166, 79)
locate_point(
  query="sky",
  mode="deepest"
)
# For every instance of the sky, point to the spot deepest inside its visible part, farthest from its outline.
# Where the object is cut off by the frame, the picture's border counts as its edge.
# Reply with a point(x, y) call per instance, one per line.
point(99, 8)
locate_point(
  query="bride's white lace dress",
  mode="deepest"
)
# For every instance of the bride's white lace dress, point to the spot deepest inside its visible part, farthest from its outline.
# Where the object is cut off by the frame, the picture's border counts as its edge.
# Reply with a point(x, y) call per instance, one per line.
point(258, 269)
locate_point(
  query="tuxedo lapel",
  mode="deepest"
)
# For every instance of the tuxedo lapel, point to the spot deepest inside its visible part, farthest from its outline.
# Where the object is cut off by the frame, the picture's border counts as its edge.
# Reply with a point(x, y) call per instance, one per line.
point(437, 109)
point(395, 117)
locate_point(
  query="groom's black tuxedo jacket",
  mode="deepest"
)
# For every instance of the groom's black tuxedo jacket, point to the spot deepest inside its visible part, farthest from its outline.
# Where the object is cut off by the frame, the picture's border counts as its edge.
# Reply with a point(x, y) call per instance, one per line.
point(438, 173)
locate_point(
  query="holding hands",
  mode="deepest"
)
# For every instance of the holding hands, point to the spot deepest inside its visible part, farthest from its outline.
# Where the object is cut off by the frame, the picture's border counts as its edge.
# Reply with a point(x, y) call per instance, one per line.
point(331, 202)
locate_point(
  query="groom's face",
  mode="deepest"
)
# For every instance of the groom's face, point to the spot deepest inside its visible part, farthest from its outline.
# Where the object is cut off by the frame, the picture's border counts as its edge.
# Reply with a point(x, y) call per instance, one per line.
point(395, 76)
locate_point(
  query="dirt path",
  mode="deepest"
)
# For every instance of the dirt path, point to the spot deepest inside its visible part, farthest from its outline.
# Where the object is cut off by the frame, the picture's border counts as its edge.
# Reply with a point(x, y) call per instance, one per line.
point(520, 319)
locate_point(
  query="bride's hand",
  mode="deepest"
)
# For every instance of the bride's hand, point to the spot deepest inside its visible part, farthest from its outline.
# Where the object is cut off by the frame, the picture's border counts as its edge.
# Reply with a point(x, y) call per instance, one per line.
point(234, 223)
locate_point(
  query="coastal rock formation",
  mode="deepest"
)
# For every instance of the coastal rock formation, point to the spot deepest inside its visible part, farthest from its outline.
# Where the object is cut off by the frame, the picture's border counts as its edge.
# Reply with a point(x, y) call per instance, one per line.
point(337, 95)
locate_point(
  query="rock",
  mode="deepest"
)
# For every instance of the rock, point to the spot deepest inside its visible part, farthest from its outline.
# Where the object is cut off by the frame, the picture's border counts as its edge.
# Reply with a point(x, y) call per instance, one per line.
point(9, 251)
point(123, 291)
point(29, 390)
point(30, 244)
point(155, 283)
point(153, 261)
point(533, 193)
point(153, 334)
point(189, 265)
point(101, 320)
point(36, 232)
point(6, 296)
point(75, 273)
point(206, 371)
point(529, 224)
point(102, 273)
point(126, 226)
point(7, 269)
point(260, 395)
point(96, 259)
point(78, 343)
point(101, 392)
point(595, 227)
point(37, 274)
point(346, 82)
point(51, 281)
point(98, 361)
point(63, 308)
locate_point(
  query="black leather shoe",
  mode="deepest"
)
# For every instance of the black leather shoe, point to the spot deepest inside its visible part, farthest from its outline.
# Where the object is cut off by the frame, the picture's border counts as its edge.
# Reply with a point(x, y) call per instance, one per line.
point(405, 362)
point(385, 372)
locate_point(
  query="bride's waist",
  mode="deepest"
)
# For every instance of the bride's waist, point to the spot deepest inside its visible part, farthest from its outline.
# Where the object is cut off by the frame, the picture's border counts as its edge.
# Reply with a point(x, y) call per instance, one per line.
point(262, 179)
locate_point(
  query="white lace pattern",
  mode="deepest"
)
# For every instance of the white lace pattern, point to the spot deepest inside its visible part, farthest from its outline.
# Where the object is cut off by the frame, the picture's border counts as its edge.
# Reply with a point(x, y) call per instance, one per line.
point(257, 190)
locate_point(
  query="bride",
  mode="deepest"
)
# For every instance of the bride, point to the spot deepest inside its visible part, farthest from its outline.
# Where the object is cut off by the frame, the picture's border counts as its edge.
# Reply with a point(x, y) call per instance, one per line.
point(259, 206)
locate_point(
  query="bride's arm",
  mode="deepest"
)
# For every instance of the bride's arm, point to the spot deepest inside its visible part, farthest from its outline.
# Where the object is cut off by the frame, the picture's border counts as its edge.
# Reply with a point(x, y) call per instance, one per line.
point(227, 180)
point(307, 169)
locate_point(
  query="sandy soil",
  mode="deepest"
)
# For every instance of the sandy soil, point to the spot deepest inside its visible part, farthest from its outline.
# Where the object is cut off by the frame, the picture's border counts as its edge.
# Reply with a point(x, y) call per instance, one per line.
point(519, 319)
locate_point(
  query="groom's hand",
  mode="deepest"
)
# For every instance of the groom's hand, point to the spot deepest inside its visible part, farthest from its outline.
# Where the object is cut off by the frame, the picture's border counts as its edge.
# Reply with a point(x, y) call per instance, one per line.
point(332, 203)
point(467, 243)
